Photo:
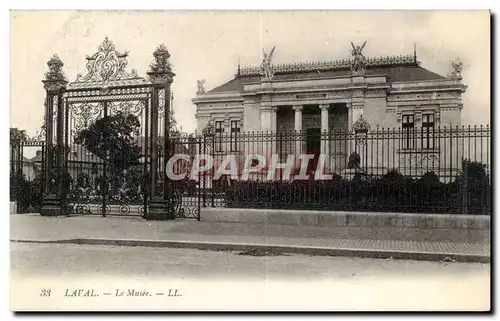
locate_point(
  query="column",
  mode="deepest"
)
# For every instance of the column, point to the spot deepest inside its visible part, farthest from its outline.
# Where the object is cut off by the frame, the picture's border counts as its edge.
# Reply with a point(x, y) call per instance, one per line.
point(298, 128)
point(268, 118)
point(266, 145)
point(349, 116)
point(274, 119)
point(350, 120)
point(325, 130)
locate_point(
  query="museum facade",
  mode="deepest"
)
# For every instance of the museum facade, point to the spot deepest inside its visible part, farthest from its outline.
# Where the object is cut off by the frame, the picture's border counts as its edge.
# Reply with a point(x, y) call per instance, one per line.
point(329, 97)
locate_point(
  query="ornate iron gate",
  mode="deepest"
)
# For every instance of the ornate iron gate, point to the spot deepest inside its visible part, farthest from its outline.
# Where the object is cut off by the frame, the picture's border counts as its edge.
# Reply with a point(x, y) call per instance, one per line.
point(106, 160)
point(104, 140)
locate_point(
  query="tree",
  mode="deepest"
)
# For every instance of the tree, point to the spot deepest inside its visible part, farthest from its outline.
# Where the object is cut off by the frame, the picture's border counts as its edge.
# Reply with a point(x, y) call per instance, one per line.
point(112, 139)
point(17, 136)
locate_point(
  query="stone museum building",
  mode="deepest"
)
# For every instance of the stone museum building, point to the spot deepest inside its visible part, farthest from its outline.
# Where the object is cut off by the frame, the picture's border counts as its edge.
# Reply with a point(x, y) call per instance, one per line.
point(332, 96)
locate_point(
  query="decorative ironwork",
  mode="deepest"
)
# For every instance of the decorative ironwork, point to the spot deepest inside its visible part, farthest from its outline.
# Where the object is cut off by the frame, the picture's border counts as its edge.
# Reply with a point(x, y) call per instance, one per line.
point(361, 128)
point(161, 69)
point(106, 64)
point(55, 103)
point(161, 101)
point(83, 114)
point(361, 125)
point(54, 78)
point(39, 135)
point(106, 211)
point(127, 107)
point(162, 63)
point(95, 99)
point(419, 162)
point(55, 72)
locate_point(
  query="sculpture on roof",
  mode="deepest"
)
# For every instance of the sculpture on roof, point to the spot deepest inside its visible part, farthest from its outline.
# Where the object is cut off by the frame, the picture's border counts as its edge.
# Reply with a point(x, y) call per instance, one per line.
point(265, 67)
point(458, 67)
point(201, 86)
point(359, 63)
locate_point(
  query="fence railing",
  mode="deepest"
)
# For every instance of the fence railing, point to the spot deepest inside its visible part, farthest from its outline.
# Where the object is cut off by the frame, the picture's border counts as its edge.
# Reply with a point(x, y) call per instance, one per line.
point(427, 169)
point(441, 170)
point(412, 152)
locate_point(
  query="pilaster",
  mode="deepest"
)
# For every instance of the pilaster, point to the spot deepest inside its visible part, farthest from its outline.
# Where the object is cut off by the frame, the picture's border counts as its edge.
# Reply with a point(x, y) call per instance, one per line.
point(298, 129)
point(55, 172)
point(161, 76)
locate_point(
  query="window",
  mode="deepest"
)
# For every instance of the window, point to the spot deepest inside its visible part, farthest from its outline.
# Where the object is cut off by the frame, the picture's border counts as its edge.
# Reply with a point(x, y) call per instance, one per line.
point(219, 130)
point(428, 136)
point(235, 130)
point(408, 131)
point(219, 127)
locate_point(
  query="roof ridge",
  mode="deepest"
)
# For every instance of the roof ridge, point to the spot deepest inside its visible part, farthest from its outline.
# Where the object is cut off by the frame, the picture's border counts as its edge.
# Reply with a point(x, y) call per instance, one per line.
point(381, 61)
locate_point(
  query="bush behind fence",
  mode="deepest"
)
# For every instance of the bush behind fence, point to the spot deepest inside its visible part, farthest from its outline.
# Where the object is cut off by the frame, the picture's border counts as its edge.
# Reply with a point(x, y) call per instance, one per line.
point(470, 193)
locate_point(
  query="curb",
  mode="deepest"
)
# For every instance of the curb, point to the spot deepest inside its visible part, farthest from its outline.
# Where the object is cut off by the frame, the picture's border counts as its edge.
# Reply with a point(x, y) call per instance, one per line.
point(316, 251)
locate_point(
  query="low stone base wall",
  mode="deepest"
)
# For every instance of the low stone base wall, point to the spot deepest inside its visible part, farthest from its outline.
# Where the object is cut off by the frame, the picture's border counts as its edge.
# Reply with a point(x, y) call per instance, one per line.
point(345, 219)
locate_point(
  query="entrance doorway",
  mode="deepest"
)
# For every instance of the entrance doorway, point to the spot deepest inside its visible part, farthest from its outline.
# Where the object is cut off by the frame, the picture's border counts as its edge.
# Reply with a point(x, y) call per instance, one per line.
point(313, 147)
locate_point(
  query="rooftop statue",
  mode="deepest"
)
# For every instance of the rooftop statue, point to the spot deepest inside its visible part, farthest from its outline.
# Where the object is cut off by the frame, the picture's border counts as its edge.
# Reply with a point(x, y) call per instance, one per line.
point(359, 62)
point(458, 67)
point(201, 86)
point(265, 66)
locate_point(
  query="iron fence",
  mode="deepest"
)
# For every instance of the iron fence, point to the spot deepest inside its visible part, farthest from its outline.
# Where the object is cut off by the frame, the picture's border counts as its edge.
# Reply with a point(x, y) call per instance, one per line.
point(428, 169)
point(439, 170)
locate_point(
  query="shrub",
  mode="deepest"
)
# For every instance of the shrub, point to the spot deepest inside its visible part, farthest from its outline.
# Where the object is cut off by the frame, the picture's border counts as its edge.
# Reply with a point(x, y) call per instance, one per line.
point(27, 194)
point(474, 187)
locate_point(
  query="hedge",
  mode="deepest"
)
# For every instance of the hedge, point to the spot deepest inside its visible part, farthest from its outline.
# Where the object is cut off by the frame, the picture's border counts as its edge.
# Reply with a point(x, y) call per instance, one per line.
point(393, 192)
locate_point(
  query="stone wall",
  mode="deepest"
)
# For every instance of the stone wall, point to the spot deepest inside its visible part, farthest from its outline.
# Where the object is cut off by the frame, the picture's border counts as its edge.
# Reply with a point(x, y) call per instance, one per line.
point(346, 219)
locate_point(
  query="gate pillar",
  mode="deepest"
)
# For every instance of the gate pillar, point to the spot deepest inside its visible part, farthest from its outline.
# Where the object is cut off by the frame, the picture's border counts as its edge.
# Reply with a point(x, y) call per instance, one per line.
point(53, 193)
point(161, 205)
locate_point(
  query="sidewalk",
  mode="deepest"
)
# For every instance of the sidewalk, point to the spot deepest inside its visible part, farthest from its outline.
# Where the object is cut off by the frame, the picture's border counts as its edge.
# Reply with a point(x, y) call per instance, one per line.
point(394, 243)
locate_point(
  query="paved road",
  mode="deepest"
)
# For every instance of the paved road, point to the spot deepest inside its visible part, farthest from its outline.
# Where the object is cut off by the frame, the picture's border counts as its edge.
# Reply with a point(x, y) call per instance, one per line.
point(305, 282)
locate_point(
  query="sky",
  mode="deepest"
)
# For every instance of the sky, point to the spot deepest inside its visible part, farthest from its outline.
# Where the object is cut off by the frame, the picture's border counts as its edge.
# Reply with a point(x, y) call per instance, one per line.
point(208, 45)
